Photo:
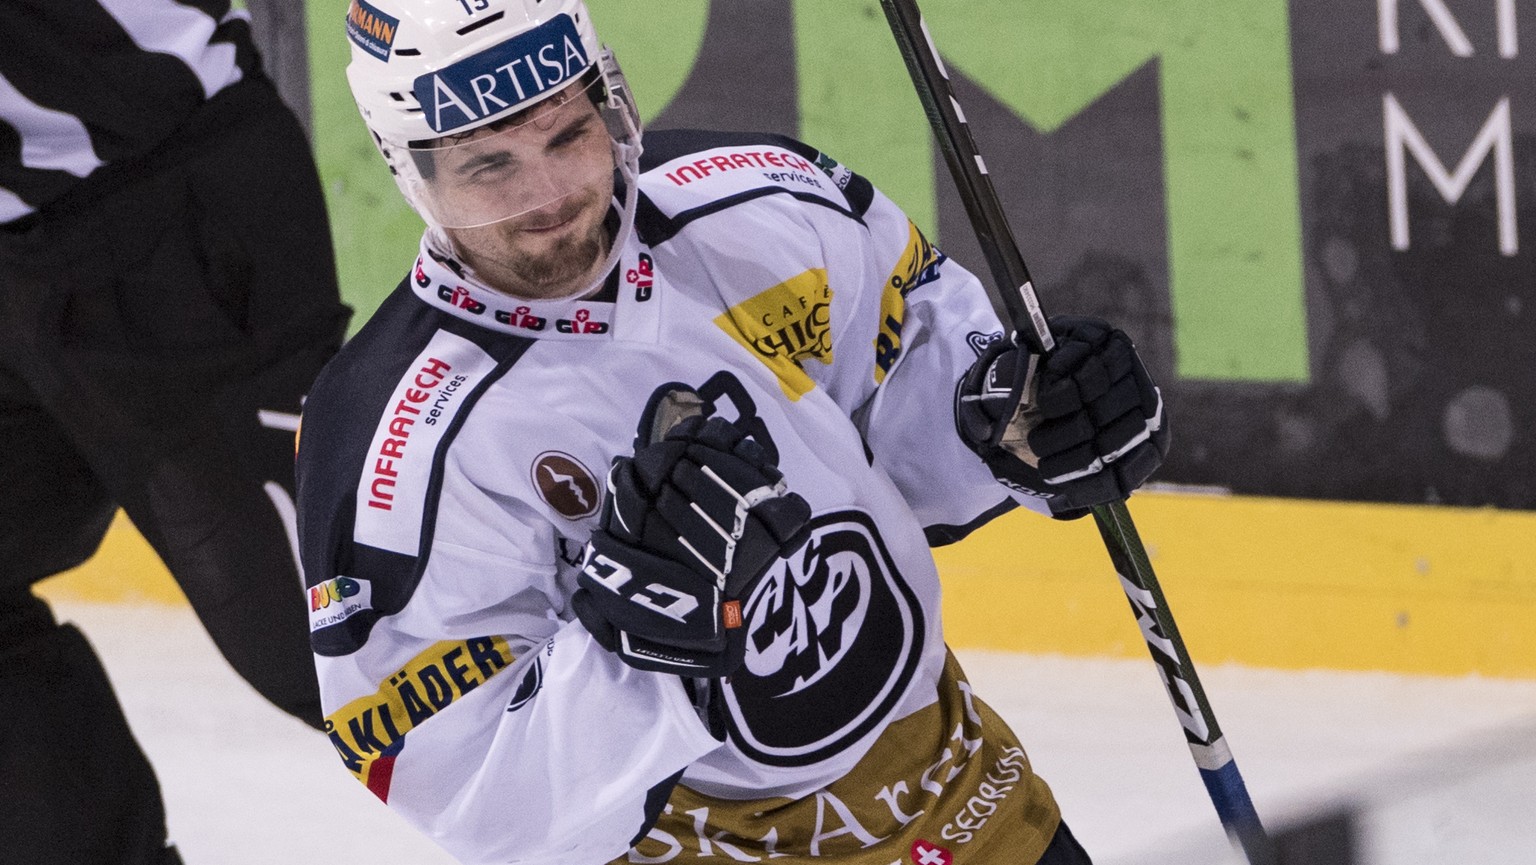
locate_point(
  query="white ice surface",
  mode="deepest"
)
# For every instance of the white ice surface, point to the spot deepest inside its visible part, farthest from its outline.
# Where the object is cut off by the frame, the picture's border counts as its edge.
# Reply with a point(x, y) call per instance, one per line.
point(1448, 766)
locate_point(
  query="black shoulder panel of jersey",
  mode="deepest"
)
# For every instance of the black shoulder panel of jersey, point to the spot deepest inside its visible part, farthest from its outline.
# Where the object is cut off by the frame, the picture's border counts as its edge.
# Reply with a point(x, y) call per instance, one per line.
point(665, 146)
point(340, 417)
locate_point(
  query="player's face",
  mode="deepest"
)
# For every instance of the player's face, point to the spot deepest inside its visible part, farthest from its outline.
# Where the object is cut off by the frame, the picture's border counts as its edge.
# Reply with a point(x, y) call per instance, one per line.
point(554, 171)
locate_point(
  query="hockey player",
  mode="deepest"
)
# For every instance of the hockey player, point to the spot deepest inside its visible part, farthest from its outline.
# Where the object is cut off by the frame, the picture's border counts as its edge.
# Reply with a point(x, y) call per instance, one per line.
point(167, 295)
point(616, 516)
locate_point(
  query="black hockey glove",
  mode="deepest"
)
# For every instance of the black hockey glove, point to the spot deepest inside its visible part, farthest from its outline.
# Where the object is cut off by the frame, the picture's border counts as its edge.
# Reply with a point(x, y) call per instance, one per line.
point(1082, 426)
point(689, 525)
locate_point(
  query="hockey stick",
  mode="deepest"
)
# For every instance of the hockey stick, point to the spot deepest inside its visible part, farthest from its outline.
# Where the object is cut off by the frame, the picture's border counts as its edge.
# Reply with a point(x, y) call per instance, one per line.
point(1013, 292)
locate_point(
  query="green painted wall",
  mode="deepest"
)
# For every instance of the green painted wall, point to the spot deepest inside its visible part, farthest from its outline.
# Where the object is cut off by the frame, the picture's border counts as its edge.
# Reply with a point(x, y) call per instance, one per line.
point(1229, 137)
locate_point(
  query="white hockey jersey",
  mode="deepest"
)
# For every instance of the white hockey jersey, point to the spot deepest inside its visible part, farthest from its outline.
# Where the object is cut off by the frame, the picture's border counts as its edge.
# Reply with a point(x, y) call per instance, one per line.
point(450, 471)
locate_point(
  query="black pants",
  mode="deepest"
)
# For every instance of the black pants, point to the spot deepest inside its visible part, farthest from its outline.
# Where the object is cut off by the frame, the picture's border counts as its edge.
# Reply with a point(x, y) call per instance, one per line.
point(1064, 849)
point(157, 327)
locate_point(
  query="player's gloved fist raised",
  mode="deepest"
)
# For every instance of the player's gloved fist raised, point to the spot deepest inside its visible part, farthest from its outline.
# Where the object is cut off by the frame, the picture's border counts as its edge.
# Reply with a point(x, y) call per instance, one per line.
point(689, 525)
point(1082, 426)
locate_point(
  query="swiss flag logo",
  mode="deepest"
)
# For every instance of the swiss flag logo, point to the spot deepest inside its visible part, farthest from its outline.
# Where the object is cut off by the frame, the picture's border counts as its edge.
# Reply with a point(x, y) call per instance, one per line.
point(924, 853)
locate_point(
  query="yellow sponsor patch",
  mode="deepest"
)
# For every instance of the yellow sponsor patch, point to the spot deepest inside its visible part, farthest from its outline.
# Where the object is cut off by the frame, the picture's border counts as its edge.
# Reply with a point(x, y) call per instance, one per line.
point(372, 727)
point(893, 309)
point(785, 326)
point(918, 265)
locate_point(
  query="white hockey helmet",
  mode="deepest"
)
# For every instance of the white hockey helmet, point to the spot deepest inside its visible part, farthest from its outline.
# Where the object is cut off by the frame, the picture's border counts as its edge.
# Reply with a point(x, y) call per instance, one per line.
point(426, 74)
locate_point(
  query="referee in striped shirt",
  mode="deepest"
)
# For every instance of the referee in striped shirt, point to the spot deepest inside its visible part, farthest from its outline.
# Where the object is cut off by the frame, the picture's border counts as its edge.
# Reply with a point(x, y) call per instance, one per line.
point(167, 294)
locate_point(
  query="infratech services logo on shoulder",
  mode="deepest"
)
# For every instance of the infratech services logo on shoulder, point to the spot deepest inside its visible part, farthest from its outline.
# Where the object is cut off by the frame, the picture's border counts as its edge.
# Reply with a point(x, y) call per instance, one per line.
point(371, 30)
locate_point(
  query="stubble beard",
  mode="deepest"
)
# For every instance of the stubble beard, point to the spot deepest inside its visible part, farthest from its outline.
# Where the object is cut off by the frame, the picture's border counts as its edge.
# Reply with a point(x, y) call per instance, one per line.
point(555, 271)
point(501, 257)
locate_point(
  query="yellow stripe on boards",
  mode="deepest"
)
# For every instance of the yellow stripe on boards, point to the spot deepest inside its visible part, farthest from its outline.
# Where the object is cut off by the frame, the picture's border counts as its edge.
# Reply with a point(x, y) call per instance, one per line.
point(124, 570)
point(1268, 582)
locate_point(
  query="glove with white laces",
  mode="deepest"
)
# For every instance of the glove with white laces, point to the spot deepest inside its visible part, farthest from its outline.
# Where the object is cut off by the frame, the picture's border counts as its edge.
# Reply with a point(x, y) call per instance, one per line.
point(1081, 426)
point(689, 525)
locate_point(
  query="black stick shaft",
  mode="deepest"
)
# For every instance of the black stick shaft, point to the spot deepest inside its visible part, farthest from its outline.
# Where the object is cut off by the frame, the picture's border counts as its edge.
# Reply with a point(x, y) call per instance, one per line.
point(1012, 291)
point(1017, 298)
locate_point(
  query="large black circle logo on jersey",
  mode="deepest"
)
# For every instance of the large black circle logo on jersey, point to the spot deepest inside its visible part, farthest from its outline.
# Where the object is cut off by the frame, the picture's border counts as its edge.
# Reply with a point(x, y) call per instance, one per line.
point(834, 635)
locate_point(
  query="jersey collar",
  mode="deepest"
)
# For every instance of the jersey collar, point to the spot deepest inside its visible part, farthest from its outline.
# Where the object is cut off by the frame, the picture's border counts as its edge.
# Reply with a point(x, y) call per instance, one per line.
point(442, 282)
